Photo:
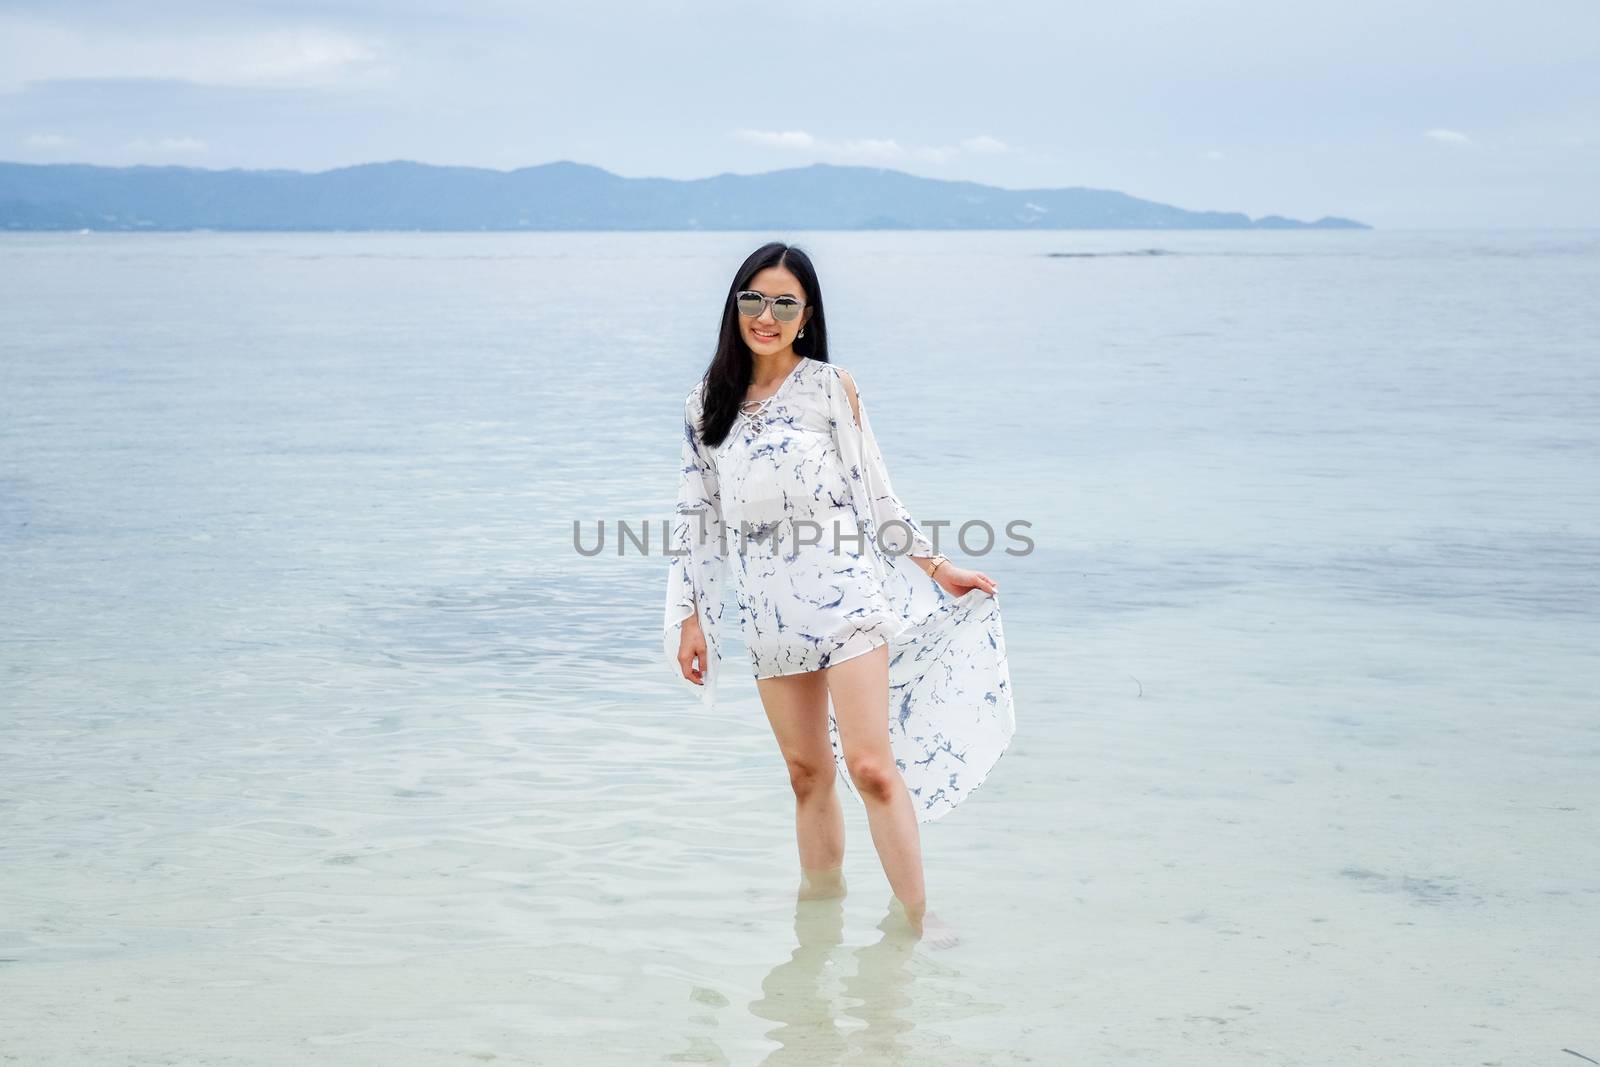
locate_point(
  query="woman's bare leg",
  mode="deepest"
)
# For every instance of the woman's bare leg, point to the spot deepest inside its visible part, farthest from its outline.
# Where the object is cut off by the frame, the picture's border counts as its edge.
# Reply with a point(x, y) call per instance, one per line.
point(797, 707)
point(860, 690)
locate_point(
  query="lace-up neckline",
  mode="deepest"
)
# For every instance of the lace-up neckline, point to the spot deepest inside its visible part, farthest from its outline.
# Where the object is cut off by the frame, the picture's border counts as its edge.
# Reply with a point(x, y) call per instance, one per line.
point(755, 412)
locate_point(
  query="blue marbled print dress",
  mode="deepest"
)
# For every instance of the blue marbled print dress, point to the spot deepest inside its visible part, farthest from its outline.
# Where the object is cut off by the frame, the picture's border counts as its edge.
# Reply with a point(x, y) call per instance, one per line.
point(814, 584)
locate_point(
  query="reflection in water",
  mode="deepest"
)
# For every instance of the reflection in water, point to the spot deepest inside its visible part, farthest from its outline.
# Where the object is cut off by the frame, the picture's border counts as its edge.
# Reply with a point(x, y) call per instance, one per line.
point(797, 994)
point(793, 993)
point(881, 990)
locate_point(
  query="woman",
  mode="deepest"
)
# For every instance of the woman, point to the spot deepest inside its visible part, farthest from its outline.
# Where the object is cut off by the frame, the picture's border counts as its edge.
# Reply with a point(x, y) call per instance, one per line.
point(788, 529)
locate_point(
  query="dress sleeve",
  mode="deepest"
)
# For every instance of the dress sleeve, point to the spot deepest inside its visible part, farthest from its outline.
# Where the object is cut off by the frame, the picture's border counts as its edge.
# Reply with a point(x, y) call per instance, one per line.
point(860, 449)
point(696, 570)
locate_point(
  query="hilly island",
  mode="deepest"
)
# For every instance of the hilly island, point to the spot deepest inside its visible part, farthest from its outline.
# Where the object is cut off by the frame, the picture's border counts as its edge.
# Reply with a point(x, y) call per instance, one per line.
point(564, 195)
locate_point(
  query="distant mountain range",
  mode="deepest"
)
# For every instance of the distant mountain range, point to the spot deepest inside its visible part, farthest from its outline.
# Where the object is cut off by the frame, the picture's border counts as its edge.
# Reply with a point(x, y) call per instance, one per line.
point(403, 195)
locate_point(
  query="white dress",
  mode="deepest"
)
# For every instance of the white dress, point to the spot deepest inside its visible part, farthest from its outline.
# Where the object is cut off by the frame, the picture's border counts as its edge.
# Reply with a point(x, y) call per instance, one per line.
point(814, 585)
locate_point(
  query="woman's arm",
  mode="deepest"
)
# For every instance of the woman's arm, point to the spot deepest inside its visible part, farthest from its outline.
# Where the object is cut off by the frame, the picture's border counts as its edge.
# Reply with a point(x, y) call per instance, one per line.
point(887, 507)
point(695, 570)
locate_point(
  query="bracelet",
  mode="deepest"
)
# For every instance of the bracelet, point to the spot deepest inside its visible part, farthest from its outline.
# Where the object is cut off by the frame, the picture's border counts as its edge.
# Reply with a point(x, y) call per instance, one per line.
point(940, 561)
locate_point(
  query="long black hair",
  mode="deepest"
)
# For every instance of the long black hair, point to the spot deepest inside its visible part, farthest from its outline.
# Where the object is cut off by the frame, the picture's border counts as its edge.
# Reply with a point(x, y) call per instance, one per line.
point(728, 377)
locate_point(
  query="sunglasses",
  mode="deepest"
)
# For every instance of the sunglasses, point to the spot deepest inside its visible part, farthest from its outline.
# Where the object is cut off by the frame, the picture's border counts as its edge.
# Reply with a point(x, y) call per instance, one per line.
point(752, 304)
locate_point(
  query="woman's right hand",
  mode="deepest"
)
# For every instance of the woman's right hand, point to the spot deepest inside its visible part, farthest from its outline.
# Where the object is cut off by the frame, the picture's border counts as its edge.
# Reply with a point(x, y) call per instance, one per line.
point(692, 650)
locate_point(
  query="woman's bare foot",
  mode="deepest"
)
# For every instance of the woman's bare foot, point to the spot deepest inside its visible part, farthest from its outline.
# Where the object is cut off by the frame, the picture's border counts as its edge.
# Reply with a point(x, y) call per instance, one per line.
point(936, 933)
point(933, 931)
point(822, 884)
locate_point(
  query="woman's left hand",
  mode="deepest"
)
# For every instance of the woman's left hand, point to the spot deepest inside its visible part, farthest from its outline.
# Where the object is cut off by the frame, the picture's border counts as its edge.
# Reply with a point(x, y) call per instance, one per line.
point(958, 581)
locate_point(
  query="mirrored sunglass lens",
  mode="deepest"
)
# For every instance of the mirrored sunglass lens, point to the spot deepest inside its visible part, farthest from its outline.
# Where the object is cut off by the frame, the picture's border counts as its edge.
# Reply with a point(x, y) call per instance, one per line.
point(750, 304)
point(784, 309)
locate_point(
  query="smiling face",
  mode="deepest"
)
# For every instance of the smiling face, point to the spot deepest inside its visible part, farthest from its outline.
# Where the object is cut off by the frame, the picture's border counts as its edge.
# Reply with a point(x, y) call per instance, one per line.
point(766, 335)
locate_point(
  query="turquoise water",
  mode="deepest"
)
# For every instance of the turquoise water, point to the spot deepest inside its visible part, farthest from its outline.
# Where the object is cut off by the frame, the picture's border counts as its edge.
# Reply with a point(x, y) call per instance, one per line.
point(320, 741)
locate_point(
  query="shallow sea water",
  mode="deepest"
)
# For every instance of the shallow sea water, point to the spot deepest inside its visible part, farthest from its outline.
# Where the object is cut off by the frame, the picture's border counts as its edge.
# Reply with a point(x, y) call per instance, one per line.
point(320, 742)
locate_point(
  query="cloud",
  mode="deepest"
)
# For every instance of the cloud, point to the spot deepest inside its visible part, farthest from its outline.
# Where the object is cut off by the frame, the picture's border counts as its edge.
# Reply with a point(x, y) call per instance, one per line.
point(304, 56)
point(796, 139)
point(1448, 137)
point(47, 140)
point(168, 146)
point(867, 148)
point(984, 145)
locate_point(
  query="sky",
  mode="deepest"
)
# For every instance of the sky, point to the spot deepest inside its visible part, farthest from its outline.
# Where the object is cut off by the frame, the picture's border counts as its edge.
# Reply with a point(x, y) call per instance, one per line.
point(1403, 113)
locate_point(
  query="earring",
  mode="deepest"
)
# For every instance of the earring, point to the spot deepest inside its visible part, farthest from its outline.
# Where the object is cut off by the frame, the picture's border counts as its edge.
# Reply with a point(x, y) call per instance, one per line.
point(802, 332)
